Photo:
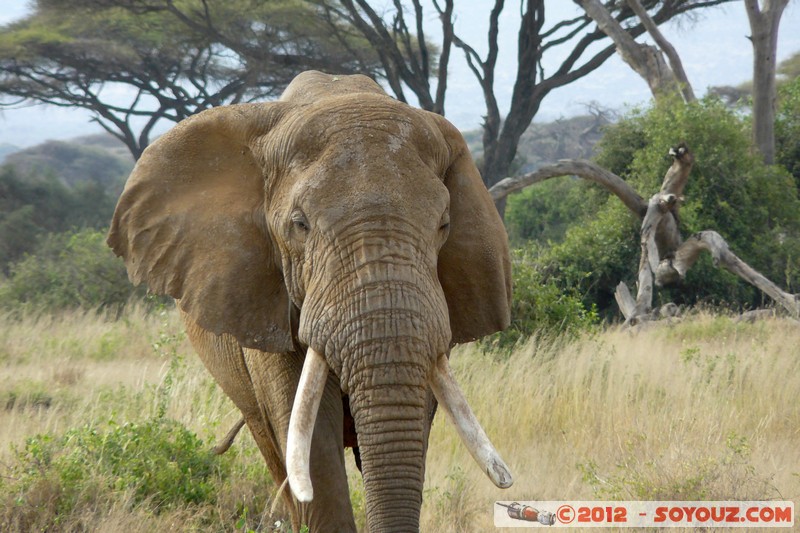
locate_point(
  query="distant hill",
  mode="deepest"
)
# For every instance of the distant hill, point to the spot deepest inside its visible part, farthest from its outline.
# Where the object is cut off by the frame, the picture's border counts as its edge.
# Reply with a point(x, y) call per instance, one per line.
point(100, 159)
point(57, 187)
point(543, 144)
point(6, 149)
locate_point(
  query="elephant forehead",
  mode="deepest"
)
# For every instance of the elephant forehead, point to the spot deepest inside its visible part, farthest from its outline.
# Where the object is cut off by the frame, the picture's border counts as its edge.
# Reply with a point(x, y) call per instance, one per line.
point(365, 126)
point(342, 186)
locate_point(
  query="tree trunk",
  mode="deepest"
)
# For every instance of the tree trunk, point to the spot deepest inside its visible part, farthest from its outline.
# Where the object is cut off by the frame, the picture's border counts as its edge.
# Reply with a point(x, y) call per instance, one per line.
point(665, 258)
point(764, 26)
point(498, 156)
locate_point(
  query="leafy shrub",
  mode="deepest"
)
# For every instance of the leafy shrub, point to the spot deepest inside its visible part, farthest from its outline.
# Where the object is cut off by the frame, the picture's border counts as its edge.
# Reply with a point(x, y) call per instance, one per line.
point(543, 213)
point(158, 462)
point(595, 256)
point(68, 270)
point(538, 306)
point(787, 128)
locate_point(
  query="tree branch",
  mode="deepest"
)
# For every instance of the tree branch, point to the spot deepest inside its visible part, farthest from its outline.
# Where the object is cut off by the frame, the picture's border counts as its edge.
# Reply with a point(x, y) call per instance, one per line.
point(574, 167)
point(721, 254)
point(669, 50)
point(646, 60)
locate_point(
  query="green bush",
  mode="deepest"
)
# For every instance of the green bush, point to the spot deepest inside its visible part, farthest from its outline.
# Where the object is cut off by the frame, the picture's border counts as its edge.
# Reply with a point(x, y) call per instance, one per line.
point(68, 270)
point(595, 256)
point(538, 306)
point(787, 128)
point(159, 462)
point(543, 213)
point(753, 206)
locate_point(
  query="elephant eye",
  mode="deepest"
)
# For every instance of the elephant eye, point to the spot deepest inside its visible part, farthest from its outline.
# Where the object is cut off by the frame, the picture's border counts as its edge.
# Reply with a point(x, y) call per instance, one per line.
point(444, 223)
point(300, 222)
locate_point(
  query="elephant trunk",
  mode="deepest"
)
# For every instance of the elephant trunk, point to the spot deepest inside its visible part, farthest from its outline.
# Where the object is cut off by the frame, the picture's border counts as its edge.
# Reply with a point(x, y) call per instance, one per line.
point(389, 406)
point(381, 340)
point(382, 328)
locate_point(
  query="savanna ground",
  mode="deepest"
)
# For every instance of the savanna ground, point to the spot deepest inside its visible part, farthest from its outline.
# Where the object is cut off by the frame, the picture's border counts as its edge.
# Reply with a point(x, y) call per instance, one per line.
point(107, 425)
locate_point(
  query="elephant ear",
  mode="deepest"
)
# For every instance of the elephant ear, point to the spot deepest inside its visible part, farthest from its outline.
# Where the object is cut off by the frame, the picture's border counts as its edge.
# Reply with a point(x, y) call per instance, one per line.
point(191, 224)
point(474, 263)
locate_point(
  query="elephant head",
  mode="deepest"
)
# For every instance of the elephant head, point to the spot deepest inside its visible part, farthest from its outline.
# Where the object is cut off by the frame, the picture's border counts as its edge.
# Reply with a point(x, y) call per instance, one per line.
point(343, 223)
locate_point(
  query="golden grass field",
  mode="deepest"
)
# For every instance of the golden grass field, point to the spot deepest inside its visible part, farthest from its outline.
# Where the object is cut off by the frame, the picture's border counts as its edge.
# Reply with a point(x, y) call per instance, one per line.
point(705, 409)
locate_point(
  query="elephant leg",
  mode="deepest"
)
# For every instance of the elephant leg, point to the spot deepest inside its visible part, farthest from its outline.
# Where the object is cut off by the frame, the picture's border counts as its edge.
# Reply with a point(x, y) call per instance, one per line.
point(224, 359)
point(275, 378)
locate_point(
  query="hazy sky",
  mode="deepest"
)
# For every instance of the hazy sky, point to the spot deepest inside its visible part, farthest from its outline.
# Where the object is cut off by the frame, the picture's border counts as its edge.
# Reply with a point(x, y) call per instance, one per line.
point(714, 49)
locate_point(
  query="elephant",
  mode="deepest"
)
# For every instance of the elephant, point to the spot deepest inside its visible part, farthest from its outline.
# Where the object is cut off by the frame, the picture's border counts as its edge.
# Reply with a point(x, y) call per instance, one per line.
point(326, 251)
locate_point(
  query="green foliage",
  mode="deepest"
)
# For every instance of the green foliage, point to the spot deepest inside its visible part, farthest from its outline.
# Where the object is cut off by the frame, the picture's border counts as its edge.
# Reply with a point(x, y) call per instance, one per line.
point(33, 207)
point(67, 270)
point(595, 256)
point(158, 461)
point(544, 212)
point(787, 127)
point(789, 69)
point(538, 306)
point(753, 206)
point(152, 466)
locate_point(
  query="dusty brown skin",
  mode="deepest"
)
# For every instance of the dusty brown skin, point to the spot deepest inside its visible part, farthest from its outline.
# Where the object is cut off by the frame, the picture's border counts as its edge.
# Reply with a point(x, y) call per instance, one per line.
point(337, 219)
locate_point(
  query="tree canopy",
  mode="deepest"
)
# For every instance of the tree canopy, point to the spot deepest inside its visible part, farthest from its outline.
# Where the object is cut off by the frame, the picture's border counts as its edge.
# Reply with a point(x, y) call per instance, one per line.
point(178, 57)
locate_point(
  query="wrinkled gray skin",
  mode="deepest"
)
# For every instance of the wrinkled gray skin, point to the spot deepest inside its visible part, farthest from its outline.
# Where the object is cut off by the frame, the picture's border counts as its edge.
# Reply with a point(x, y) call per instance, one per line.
point(335, 218)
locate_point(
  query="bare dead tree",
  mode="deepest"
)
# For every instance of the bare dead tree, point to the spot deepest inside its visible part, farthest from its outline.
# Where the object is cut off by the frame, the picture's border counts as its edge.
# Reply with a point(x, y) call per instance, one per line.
point(673, 58)
point(665, 257)
point(662, 77)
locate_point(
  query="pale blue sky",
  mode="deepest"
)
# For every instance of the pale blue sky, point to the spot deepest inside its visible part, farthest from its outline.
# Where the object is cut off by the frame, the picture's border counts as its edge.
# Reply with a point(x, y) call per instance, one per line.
point(714, 49)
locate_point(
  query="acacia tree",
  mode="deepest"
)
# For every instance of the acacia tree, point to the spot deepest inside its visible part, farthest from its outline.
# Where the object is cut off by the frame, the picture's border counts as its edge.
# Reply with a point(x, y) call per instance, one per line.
point(178, 60)
point(400, 37)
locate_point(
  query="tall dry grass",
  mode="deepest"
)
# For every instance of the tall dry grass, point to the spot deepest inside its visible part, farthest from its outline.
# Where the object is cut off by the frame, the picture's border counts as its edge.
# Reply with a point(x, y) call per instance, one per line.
point(704, 409)
point(82, 368)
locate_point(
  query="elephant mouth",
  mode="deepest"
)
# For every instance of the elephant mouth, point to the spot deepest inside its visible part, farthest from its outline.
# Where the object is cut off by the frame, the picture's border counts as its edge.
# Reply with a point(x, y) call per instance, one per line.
point(447, 392)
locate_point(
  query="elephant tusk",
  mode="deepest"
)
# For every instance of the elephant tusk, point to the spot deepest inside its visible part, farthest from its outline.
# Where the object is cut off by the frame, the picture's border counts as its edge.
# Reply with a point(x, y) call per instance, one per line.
point(301, 424)
point(455, 405)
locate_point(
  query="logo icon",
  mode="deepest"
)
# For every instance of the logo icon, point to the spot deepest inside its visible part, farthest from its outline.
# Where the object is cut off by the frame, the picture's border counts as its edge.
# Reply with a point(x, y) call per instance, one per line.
point(526, 513)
